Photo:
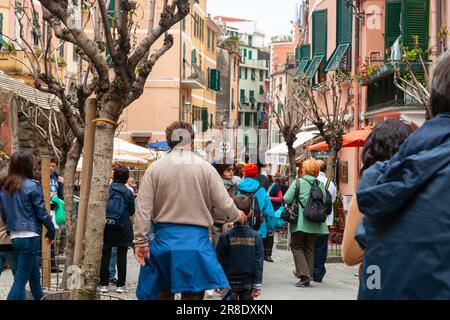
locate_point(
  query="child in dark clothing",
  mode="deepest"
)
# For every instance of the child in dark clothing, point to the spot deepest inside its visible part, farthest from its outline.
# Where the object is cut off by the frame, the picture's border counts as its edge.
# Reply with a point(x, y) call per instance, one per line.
point(240, 251)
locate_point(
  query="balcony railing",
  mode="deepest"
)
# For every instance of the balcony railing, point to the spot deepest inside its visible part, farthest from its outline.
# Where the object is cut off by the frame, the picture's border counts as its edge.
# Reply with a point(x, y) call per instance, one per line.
point(254, 63)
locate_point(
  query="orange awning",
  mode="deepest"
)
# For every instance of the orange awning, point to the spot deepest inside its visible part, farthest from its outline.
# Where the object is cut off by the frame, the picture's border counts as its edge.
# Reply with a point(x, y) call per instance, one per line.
point(353, 139)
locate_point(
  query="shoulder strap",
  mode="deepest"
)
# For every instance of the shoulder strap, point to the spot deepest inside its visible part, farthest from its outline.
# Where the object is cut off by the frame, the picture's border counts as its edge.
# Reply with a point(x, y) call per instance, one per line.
point(328, 184)
point(297, 189)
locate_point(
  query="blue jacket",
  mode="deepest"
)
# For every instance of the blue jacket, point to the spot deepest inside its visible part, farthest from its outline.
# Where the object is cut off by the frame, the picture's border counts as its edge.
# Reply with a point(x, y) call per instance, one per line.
point(268, 224)
point(240, 251)
point(406, 207)
point(25, 210)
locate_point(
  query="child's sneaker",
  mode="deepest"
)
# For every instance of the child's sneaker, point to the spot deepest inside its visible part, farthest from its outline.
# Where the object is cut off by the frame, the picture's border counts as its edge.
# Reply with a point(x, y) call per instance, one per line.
point(123, 289)
point(103, 289)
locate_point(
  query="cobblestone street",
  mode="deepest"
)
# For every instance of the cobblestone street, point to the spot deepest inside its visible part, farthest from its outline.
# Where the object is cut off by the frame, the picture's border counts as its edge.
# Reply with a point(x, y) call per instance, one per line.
point(340, 282)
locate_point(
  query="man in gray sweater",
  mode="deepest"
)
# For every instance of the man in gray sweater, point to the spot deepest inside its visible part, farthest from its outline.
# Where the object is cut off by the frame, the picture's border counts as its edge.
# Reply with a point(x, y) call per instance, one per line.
point(178, 193)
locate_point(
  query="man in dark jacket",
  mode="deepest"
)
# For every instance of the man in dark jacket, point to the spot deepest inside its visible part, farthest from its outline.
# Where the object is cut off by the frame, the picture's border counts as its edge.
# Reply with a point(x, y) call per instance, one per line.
point(406, 210)
point(240, 251)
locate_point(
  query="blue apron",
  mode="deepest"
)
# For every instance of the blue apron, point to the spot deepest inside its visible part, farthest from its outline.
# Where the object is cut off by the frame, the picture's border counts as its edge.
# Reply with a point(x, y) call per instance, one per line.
point(182, 259)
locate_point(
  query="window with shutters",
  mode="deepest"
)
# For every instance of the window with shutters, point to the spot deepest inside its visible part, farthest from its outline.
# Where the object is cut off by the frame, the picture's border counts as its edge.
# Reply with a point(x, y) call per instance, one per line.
point(261, 75)
point(341, 56)
point(252, 97)
point(415, 23)
point(242, 97)
point(209, 39)
point(253, 72)
point(194, 57)
point(213, 41)
point(61, 48)
point(320, 30)
point(204, 120)
point(246, 73)
point(261, 89)
point(214, 79)
point(247, 119)
point(239, 119)
point(250, 54)
point(392, 22)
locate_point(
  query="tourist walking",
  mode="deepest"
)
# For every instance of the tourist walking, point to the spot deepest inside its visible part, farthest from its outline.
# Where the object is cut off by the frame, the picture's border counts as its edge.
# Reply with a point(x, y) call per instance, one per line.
point(24, 212)
point(226, 173)
point(118, 230)
point(240, 252)
point(321, 247)
point(384, 141)
point(405, 205)
point(276, 198)
point(178, 193)
point(304, 232)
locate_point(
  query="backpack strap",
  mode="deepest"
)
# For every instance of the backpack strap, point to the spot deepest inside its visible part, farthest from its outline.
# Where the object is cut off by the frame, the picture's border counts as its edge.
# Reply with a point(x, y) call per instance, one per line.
point(328, 184)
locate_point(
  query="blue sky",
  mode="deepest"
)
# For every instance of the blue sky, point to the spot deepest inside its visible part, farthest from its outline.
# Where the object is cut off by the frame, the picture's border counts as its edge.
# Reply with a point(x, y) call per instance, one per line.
point(273, 16)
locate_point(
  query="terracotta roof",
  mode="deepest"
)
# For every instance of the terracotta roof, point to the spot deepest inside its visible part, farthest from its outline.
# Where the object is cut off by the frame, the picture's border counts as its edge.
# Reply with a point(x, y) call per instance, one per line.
point(229, 19)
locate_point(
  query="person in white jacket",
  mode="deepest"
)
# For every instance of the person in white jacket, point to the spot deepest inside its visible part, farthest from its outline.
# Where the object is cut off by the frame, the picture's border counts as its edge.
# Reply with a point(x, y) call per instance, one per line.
point(321, 249)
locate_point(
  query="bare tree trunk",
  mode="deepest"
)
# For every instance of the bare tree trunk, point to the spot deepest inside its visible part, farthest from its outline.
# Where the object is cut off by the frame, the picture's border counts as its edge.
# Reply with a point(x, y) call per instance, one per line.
point(98, 199)
point(69, 174)
point(332, 163)
point(292, 163)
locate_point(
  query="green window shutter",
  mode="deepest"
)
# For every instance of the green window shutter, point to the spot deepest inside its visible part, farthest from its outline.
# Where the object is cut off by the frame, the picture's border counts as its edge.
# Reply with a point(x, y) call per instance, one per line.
point(392, 32)
point(209, 39)
point(112, 13)
point(61, 49)
point(213, 43)
point(335, 60)
point(194, 57)
point(415, 22)
point(210, 79)
point(314, 66)
point(252, 96)
point(301, 69)
point(320, 28)
point(344, 23)
point(261, 89)
point(297, 55)
point(214, 79)
point(305, 52)
point(109, 60)
point(1, 28)
point(245, 53)
point(247, 119)
point(255, 119)
point(246, 73)
point(239, 118)
point(204, 120)
point(242, 94)
point(253, 74)
point(250, 55)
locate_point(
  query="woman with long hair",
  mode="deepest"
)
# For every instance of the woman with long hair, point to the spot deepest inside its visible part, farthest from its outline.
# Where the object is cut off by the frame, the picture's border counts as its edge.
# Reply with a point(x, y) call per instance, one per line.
point(384, 141)
point(24, 213)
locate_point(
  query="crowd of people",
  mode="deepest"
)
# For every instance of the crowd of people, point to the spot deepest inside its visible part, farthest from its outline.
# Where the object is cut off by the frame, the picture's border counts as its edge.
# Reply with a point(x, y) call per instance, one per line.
point(200, 226)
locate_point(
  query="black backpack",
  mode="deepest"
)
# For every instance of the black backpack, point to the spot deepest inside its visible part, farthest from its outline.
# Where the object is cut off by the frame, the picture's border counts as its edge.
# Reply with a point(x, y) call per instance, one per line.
point(256, 216)
point(116, 211)
point(315, 209)
point(329, 199)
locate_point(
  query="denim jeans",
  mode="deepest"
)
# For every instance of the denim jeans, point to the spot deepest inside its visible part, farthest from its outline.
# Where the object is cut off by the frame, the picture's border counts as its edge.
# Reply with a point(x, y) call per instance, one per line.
point(112, 264)
point(10, 257)
point(27, 268)
point(320, 257)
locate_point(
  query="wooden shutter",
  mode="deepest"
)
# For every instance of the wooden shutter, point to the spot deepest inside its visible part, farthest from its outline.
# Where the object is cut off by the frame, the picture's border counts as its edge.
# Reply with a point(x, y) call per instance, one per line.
point(204, 120)
point(194, 57)
point(320, 32)
point(1, 27)
point(392, 32)
point(415, 22)
point(305, 52)
point(344, 23)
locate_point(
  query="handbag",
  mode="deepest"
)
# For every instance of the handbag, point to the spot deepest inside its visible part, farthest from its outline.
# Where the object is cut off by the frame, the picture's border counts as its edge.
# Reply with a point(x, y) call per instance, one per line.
point(290, 213)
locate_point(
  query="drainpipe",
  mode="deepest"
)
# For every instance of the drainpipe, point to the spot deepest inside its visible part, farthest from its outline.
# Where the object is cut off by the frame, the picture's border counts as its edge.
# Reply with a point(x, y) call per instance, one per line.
point(356, 90)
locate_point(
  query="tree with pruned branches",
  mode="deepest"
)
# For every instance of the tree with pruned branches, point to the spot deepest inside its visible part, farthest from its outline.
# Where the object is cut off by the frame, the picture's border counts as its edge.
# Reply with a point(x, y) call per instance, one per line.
point(113, 88)
point(328, 106)
point(290, 122)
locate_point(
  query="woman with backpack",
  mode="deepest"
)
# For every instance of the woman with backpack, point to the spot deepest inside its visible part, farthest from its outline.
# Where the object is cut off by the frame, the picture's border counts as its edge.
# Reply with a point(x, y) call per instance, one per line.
point(304, 231)
point(118, 229)
point(24, 212)
point(262, 216)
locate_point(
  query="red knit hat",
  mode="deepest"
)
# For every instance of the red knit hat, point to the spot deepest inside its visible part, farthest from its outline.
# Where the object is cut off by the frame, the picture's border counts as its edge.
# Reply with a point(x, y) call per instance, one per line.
point(251, 170)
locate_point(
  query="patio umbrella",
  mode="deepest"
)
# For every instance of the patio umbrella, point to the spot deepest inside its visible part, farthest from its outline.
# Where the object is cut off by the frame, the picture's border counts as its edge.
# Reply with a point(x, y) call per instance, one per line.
point(352, 139)
point(159, 146)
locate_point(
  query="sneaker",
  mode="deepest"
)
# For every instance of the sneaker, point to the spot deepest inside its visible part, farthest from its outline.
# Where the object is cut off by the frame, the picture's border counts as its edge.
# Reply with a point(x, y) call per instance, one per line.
point(268, 259)
point(103, 289)
point(304, 281)
point(123, 289)
point(209, 293)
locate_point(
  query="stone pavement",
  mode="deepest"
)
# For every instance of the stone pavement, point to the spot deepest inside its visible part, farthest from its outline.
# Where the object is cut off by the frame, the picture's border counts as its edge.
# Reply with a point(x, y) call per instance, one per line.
point(340, 282)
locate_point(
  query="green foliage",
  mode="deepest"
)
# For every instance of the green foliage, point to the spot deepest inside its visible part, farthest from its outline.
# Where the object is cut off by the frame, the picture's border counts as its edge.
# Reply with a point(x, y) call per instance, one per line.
point(232, 41)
